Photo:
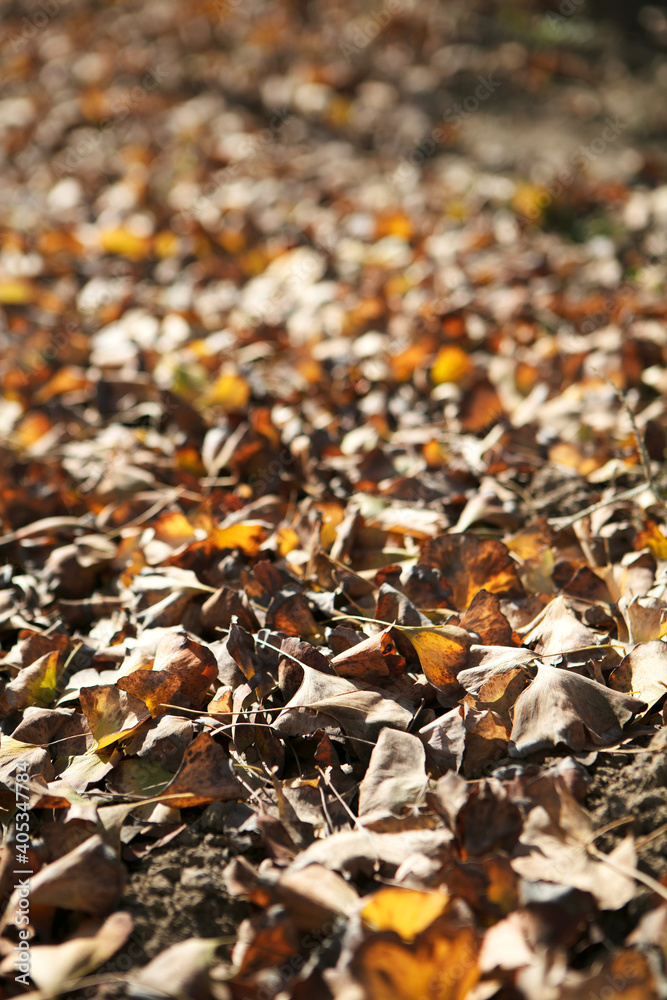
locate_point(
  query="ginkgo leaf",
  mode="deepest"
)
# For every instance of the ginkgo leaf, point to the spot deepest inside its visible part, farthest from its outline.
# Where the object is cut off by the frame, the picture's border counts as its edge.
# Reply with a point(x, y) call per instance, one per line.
point(361, 711)
point(440, 962)
point(406, 911)
point(206, 775)
point(35, 684)
point(396, 775)
point(183, 966)
point(644, 617)
point(183, 671)
point(643, 672)
point(111, 713)
point(371, 660)
point(561, 707)
point(470, 564)
point(88, 879)
point(442, 652)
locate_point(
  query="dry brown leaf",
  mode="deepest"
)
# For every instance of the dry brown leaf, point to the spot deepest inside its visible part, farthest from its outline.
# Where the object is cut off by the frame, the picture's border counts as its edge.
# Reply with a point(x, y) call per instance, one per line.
point(182, 673)
point(314, 895)
point(487, 736)
point(372, 660)
point(393, 606)
point(445, 740)
point(561, 707)
point(485, 618)
point(644, 617)
point(559, 630)
point(643, 672)
point(180, 970)
point(396, 776)
point(91, 945)
point(206, 775)
point(470, 564)
point(362, 850)
point(89, 878)
point(557, 850)
point(361, 711)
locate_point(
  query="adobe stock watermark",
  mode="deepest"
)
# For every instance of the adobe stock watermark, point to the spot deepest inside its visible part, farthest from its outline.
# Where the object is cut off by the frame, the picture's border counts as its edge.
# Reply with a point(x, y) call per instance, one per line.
point(453, 117)
point(22, 867)
point(578, 158)
point(362, 32)
point(121, 108)
point(32, 24)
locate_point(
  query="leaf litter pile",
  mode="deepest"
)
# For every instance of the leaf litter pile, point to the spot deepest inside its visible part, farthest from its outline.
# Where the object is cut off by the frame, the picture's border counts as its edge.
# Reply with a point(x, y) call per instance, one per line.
point(333, 567)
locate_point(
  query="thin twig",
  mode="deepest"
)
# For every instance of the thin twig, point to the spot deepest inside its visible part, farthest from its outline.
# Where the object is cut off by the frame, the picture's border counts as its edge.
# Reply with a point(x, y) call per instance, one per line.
point(566, 522)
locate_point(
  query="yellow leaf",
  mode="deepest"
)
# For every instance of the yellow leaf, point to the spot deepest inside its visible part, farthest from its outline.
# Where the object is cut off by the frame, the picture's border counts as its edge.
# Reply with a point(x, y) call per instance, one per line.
point(653, 539)
point(125, 243)
point(442, 651)
point(339, 109)
point(34, 684)
point(111, 713)
point(229, 391)
point(403, 365)
point(288, 540)
point(174, 529)
point(32, 428)
point(67, 379)
point(441, 962)
point(531, 200)
point(248, 537)
point(405, 911)
point(233, 240)
point(15, 292)
point(451, 365)
point(166, 244)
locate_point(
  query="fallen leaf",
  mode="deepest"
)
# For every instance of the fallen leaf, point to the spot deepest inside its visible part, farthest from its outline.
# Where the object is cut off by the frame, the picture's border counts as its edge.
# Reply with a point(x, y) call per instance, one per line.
point(362, 712)
point(111, 713)
point(91, 945)
point(442, 652)
point(643, 673)
point(372, 660)
point(206, 775)
point(396, 776)
point(89, 879)
point(485, 618)
point(441, 961)
point(559, 630)
point(183, 966)
point(405, 911)
point(556, 849)
point(35, 684)
point(561, 707)
point(470, 564)
point(182, 673)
